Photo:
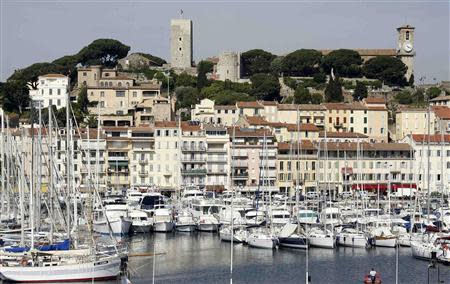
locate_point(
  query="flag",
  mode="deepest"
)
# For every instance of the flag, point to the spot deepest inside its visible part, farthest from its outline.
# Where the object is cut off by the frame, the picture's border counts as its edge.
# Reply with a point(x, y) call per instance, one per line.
point(181, 12)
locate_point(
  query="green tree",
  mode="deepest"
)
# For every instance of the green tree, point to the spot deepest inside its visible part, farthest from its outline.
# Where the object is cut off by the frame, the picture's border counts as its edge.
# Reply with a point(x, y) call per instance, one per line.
point(186, 80)
point(320, 78)
point(265, 87)
point(333, 91)
point(433, 92)
point(256, 61)
point(302, 95)
point(404, 98)
point(229, 97)
point(360, 91)
point(276, 66)
point(345, 63)
point(186, 97)
point(82, 100)
point(15, 96)
point(155, 60)
point(316, 99)
point(411, 80)
point(203, 68)
point(302, 62)
point(103, 51)
point(390, 70)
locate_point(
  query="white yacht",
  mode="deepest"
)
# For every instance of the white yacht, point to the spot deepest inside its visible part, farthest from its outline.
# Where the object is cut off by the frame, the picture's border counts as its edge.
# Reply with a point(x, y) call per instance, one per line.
point(383, 237)
point(113, 217)
point(206, 212)
point(140, 221)
point(262, 238)
point(350, 237)
point(321, 238)
point(185, 222)
point(162, 220)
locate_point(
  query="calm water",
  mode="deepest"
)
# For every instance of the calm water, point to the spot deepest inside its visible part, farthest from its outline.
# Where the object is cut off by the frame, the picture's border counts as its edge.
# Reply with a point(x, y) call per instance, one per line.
point(203, 258)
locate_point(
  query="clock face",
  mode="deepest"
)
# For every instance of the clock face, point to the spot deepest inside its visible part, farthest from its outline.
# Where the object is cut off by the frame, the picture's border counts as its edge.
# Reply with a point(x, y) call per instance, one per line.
point(408, 47)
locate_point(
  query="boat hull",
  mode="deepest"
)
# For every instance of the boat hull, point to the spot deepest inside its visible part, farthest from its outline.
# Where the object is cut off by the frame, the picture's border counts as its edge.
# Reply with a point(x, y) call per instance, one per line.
point(323, 242)
point(185, 228)
point(385, 242)
point(353, 241)
point(261, 242)
point(207, 227)
point(98, 270)
point(163, 227)
point(116, 227)
point(293, 242)
point(141, 228)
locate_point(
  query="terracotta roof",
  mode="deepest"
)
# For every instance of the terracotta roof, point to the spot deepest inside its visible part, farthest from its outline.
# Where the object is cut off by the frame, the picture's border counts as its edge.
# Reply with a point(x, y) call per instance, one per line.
point(376, 108)
point(300, 107)
point(367, 52)
point(246, 132)
point(225, 107)
point(186, 126)
point(249, 105)
point(256, 120)
point(435, 138)
point(342, 135)
point(442, 112)
point(373, 100)
point(440, 98)
point(166, 124)
point(291, 127)
point(268, 103)
point(303, 144)
point(51, 75)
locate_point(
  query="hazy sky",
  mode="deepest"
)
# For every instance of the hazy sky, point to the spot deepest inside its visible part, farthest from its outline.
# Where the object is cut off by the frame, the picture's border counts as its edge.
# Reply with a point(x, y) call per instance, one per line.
point(39, 31)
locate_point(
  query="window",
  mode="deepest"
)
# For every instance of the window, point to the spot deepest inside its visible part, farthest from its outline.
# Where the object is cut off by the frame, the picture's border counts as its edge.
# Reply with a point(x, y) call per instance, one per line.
point(119, 84)
point(59, 102)
point(179, 39)
point(382, 130)
point(281, 166)
point(102, 94)
point(351, 119)
point(365, 119)
point(330, 120)
point(365, 130)
point(50, 91)
point(106, 74)
point(407, 35)
point(179, 49)
point(102, 84)
point(84, 74)
point(102, 104)
point(120, 93)
point(110, 84)
point(134, 94)
point(59, 92)
point(121, 103)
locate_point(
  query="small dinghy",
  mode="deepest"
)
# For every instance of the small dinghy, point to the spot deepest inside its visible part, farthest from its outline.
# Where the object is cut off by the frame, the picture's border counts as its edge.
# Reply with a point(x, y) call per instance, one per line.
point(369, 280)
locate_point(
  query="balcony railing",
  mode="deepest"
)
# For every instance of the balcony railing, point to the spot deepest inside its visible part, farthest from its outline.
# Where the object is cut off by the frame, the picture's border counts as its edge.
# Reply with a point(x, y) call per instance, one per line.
point(143, 173)
point(193, 171)
point(189, 148)
point(143, 161)
point(117, 158)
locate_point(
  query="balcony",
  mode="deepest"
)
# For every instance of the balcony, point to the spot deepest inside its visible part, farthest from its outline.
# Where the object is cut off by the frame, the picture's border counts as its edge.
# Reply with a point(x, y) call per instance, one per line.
point(189, 148)
point(216, 150)
point(118, 171)
point(143, 173)
point(240, 176)
point(217, 160)
point(117, 158)
point(193, 171)
point(240, 163)
point(143, 161)
point(193, 160)
point(217, 172)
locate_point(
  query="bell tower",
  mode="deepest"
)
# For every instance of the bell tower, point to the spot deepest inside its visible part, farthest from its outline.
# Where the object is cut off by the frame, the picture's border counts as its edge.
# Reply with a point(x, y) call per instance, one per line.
point(405, 48)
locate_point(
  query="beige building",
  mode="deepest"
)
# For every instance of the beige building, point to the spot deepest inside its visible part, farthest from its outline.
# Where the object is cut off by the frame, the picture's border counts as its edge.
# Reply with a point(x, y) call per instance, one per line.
point(193, 155)
point(150, 110)
point(442, 115)
point(410, 120)
point(118, 100)
point(218, 158)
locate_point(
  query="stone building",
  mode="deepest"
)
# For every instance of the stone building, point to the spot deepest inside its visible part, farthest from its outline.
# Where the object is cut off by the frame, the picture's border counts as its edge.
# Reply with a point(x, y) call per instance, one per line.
point(181, 42)
point(228, 67)
point(52, 90)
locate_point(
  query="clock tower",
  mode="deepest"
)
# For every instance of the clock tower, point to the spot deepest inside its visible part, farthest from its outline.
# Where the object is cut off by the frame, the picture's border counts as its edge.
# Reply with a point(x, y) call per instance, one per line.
point(405, 49)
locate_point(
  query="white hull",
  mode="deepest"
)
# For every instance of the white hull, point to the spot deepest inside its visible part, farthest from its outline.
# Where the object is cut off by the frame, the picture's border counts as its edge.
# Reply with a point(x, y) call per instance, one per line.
point(404, 241)
point(422, 251)
point(89, 271)
point(141, 228)
point(265, 242)
point(385, 242)
point(117, 227)
point(357, 241)
point(226, 237)
point(185, 227)
point(207, 227)
point(322, 242)
point(163, 227)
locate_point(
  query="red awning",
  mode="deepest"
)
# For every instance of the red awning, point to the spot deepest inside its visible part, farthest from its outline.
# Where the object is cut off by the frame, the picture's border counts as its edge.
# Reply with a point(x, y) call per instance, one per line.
point(382, 186)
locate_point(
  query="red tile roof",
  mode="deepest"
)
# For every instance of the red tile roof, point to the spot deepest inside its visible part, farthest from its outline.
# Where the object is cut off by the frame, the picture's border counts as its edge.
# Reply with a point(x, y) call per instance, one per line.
point(435, 138)
point(373, 100)
point(249, 105)
point(51, 75)
point(166, 124)
point(342, 135)
point(442, 112)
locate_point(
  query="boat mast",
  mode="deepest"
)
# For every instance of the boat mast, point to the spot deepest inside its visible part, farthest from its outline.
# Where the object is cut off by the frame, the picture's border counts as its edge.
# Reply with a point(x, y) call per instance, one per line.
point(50, 169)
point(31, 196)
point(68, 156)
point(2, 146)
point(232, 208)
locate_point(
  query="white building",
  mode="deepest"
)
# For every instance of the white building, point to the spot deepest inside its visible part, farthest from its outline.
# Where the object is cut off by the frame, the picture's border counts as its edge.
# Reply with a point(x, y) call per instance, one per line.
point(439, 160)
point(52, 89)
point(181, 43)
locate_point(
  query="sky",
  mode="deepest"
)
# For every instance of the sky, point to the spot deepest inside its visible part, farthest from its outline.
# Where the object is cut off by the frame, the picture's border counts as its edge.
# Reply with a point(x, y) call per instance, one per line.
point(43, 30)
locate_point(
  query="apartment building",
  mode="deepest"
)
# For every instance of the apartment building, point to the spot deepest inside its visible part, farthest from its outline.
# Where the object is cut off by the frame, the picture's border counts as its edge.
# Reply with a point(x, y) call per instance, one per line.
point(118, 156)
point(411, 120)
point(253, 159)
point(193, 155)
point(150, 110)
point(142, 156)
point(217, 158)
point(296, 167)
point(167, 163)
point(369, 166)
point(434, 151)
point(51, 90)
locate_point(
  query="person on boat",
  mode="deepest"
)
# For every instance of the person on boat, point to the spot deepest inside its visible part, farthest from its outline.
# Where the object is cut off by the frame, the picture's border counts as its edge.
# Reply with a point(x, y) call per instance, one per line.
point(373, 275)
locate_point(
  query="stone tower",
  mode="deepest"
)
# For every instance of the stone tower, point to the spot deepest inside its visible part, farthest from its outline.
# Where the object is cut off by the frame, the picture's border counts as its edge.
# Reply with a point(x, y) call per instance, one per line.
point(228, 67)
point(405, 49)
point(181, 43)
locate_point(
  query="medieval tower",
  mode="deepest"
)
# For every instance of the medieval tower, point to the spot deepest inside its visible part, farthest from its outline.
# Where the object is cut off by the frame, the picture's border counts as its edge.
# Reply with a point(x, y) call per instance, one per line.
point(181, 43)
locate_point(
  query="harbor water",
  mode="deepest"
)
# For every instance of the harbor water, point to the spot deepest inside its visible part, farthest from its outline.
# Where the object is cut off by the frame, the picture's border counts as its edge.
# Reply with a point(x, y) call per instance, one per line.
point(203, 258)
